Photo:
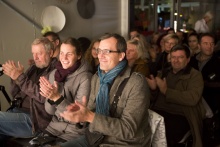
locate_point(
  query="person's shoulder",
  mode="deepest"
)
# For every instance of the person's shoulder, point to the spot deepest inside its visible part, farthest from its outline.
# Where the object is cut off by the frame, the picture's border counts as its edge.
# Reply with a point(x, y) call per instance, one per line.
point(84, 67)
point(137, 77)
point(195, 72)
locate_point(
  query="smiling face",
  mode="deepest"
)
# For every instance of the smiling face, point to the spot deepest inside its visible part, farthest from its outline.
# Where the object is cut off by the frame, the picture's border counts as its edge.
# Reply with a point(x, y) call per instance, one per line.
point(111, 60)
point(94, 53)
point(68, 56)
point(178, 60)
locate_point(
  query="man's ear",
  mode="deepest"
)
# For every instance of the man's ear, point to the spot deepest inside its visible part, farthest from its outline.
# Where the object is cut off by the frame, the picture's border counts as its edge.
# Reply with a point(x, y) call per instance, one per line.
point(122, 56)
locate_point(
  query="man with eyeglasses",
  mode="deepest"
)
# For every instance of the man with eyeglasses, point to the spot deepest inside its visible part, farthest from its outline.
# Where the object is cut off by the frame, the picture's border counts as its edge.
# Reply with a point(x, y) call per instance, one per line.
point(208, 61)
point(128, 124)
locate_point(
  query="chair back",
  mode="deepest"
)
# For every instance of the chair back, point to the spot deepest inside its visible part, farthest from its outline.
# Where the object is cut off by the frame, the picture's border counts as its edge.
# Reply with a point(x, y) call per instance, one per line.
point(158, 137)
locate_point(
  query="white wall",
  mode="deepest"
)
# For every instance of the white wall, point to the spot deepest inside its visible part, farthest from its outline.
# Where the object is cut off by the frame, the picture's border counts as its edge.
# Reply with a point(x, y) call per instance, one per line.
point(17, 34)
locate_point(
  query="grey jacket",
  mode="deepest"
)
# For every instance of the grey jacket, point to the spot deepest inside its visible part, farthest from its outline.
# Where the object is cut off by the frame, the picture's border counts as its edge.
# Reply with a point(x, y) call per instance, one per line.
point(129, 126)
point(74, 88)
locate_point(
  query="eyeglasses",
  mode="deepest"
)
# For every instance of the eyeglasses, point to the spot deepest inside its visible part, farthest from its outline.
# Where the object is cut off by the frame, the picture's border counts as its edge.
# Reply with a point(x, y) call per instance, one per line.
point(105, 51)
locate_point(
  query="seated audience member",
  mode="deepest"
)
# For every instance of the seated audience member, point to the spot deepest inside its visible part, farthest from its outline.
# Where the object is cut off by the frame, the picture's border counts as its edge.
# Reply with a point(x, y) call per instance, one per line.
point(160, 43)
point(134, 32)
point(135, 54)
point(84, 42)
point(190, 30)
point(72, 79)
point(162, 60)
point(91, 55)
point(193, 42)
point(207, 61)
point(122, 123)
point(146, 46)
point(55, 39)
point(171, 31)
point(29, 116)
point(153, 41)
point(177, 96)
point(181, 36)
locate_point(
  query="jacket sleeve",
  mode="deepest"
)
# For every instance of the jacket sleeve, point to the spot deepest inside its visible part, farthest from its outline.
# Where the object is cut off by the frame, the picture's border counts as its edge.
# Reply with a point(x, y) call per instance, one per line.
point(83, 89)
point(30, 88)
point(132, 111)
point(198, 26)
point(190, 93)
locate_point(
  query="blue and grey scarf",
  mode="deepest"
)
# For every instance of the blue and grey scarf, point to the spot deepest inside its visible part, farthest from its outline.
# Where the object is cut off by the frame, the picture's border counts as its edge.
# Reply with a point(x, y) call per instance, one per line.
point(106, 80)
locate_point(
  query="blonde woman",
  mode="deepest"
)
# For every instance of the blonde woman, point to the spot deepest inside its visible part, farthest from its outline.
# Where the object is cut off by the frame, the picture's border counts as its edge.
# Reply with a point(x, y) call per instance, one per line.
point(136, 56)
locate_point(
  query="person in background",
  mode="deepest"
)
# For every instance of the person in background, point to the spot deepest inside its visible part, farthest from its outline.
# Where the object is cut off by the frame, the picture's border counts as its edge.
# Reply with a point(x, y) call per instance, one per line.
point(162, 60)
point(29, 116)
point(146, 46)
point(91, 55)
point(170, 31)
point(127, 125)
point(153, 41)
point(160, 43)
point(177, 96)
point(207, 61)
point(134, 32)
point(181, 36)
point(193, 43)
point(84, 42)
point(69, 82)
point(190, 30)
point(201, 26)
point(135, 54)
point(55, 39)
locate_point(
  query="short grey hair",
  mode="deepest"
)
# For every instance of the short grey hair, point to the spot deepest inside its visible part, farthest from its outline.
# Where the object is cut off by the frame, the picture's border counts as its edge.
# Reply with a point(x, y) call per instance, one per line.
point(48, 45)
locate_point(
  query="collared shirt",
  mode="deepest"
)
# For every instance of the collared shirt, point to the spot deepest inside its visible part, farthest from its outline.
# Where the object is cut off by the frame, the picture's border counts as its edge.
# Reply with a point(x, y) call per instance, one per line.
point(201, 26)
point(201, 64)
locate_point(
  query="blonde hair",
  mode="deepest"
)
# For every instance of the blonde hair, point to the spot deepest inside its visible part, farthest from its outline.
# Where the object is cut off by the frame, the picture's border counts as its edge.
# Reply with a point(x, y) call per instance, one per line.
point(208, 14)
point(145, 45)
point(141, 52)
point(171, 36)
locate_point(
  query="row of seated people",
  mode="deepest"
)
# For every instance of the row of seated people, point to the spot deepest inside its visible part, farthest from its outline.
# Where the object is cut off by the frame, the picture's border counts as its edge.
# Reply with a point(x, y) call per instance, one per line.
point(55, 95)
point(203, 57)
point(176, 94)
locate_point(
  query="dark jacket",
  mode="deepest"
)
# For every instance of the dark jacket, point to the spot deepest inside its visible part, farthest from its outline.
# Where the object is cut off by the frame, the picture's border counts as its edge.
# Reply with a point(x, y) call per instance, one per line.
point(160, 64)
point(211, 77)
point(27, 87)
point(188, 95)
